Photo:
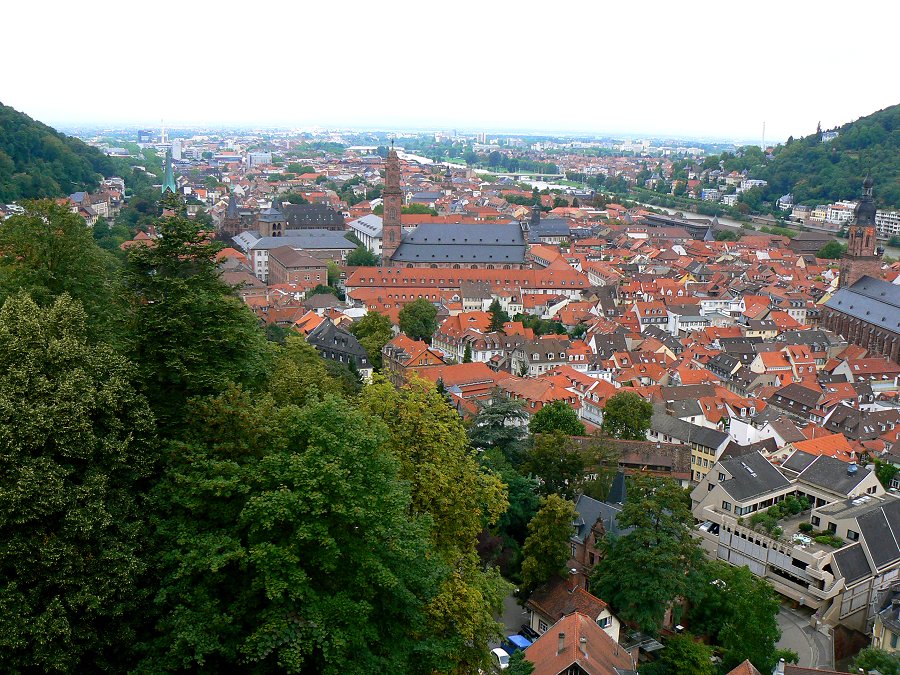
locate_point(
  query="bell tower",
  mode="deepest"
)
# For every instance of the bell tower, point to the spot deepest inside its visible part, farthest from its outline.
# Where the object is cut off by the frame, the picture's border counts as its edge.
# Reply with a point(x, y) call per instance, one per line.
point(392, 197)
point(862, 258)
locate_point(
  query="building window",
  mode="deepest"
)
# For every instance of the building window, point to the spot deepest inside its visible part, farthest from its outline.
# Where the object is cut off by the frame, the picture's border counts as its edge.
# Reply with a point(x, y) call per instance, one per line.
point(726, 506)
point(893, 640)
point(604, 622)
point(542, 626)
point(852, 536)
point(591, 558)
point(721, 476)
point(832, 527)
point(573, 550)
point(815, 520)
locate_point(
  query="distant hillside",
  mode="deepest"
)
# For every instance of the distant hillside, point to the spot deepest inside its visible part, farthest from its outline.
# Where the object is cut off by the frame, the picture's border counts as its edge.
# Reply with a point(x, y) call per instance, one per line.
point(819, 173)
point(38, 161)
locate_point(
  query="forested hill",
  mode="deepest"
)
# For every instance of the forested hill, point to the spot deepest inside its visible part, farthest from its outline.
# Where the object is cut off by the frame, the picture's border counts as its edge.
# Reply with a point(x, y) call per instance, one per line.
point(820, 173)
point(38, 161)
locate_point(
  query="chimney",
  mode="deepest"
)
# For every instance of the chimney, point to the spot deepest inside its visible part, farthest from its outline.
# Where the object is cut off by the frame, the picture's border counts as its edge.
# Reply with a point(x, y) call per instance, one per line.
point(572, 580)
point(779, 668)
point(582, 645)
point(562, 643)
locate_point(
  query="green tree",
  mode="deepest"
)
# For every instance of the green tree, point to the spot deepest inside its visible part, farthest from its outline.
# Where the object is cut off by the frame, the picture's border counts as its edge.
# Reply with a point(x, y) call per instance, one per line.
point(189, 335)
point(500, 424)
point(645, 571)
point(299, 375)
point(498, 316)
point(288, 545)
point(546, 549)
point(418, 320)
point(334, 274)
point(429, 440)
point(872, 658)
point(419, 209)
point(627, 415)
point(519, 665)
point(885, 473)
point(682, 654)
point(75, 445)
point(556, 416)
point(48, 251)
point(833, 250)
point(557, 461)
point(739, 611)
point(373, 331)
point(361, 257)
point(467, 354)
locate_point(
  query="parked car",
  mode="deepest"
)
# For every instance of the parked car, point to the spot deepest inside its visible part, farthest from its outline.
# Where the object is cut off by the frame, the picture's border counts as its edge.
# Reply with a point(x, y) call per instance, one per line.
point(499, 659)
point(515, 643)
point(529, 632)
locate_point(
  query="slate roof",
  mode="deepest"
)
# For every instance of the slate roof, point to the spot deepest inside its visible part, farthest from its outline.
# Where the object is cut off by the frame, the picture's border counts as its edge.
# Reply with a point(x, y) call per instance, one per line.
point(297, 239)
point(871, 300)
point(497, 243)
point(798, 461)
point(832, 474)
point(881, 528)
point(661, 423)
point(332, 341)
point(370, 224)
point(589, 510)
point(312, 215)
point(751, 475)
point(852, 563)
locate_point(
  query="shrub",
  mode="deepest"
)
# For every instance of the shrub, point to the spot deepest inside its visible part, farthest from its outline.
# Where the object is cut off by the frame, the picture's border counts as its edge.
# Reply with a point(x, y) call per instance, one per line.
point(804, 503)
point(806, 527)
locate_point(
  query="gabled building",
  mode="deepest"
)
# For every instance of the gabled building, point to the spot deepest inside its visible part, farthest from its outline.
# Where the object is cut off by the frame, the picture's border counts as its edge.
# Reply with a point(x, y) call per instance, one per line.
point(336, 344)
point(576, 645)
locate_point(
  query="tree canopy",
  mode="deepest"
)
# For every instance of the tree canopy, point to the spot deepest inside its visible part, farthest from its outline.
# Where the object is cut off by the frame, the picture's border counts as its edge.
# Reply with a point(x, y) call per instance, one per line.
point(627, 415)
point(546, 549)
point(556, 416)
point(418, 319)
point(645, 571)
point(75, 437)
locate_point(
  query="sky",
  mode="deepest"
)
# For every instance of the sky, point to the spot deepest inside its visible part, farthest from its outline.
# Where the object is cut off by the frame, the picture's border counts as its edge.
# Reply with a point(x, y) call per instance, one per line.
point(627, 67)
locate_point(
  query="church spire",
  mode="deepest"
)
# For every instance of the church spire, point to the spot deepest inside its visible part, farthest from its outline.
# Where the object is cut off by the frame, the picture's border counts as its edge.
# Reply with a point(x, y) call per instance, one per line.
point(392, 197)
point(169, 180)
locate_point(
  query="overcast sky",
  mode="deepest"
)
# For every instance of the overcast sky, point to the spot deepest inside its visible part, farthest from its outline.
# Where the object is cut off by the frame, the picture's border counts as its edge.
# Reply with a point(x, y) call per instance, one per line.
point(688, 69)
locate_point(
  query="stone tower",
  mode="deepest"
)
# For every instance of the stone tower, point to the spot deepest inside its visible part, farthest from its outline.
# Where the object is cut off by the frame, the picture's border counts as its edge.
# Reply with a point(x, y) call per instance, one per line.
point(392, 197)
point(861, 258)
point(271, 222)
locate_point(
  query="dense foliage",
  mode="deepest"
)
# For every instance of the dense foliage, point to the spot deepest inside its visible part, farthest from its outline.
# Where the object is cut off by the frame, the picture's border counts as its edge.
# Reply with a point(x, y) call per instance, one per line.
point(183, 494)
point(38, 161)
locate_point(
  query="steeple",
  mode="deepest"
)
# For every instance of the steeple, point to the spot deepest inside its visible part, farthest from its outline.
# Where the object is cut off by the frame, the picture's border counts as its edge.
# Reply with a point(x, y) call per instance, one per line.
point(862, 257)
point(865, 210)
point(169, 180)
point(392, 197)
point(536, 213)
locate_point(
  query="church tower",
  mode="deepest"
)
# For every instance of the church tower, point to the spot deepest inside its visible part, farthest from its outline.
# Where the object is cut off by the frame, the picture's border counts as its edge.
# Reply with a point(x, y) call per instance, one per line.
point(392, 197)
point(169, 180)
point(861, 258)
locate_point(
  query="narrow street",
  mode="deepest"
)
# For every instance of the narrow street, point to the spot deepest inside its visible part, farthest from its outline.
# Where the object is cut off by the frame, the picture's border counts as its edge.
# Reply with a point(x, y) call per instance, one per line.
point(813, 648)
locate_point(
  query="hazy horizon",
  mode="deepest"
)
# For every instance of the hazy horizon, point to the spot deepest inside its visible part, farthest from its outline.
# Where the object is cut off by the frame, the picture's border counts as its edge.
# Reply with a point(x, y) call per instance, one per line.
point(654, 70)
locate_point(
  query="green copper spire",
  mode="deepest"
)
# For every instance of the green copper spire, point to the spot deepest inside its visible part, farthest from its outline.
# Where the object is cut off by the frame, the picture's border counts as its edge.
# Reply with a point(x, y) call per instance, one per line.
point(169, 182)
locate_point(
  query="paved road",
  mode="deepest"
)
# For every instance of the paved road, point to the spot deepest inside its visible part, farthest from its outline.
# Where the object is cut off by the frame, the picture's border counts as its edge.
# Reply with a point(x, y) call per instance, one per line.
point(513, 617)
point(814, 649)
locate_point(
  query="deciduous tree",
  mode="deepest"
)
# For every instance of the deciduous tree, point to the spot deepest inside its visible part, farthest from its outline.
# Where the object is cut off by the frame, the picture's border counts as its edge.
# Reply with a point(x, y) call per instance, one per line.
point(627, 415)
point(546, 548)
point(418, 319)
point(75, 438)
point(373, 331)
point(557, 461)
point(556, 416)
point(645, 571)
point(189, 335)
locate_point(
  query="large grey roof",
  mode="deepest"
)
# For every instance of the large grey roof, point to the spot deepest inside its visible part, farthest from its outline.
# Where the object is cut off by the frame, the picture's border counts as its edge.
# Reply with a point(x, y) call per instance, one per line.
point(751, 475)
point(497, 243)
point(300, 215)
point(685, 431)
point(304, 239)
point(370, 224)
point(881, 527)
point(852, 563)
point(872, 300)
point(832, 474)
